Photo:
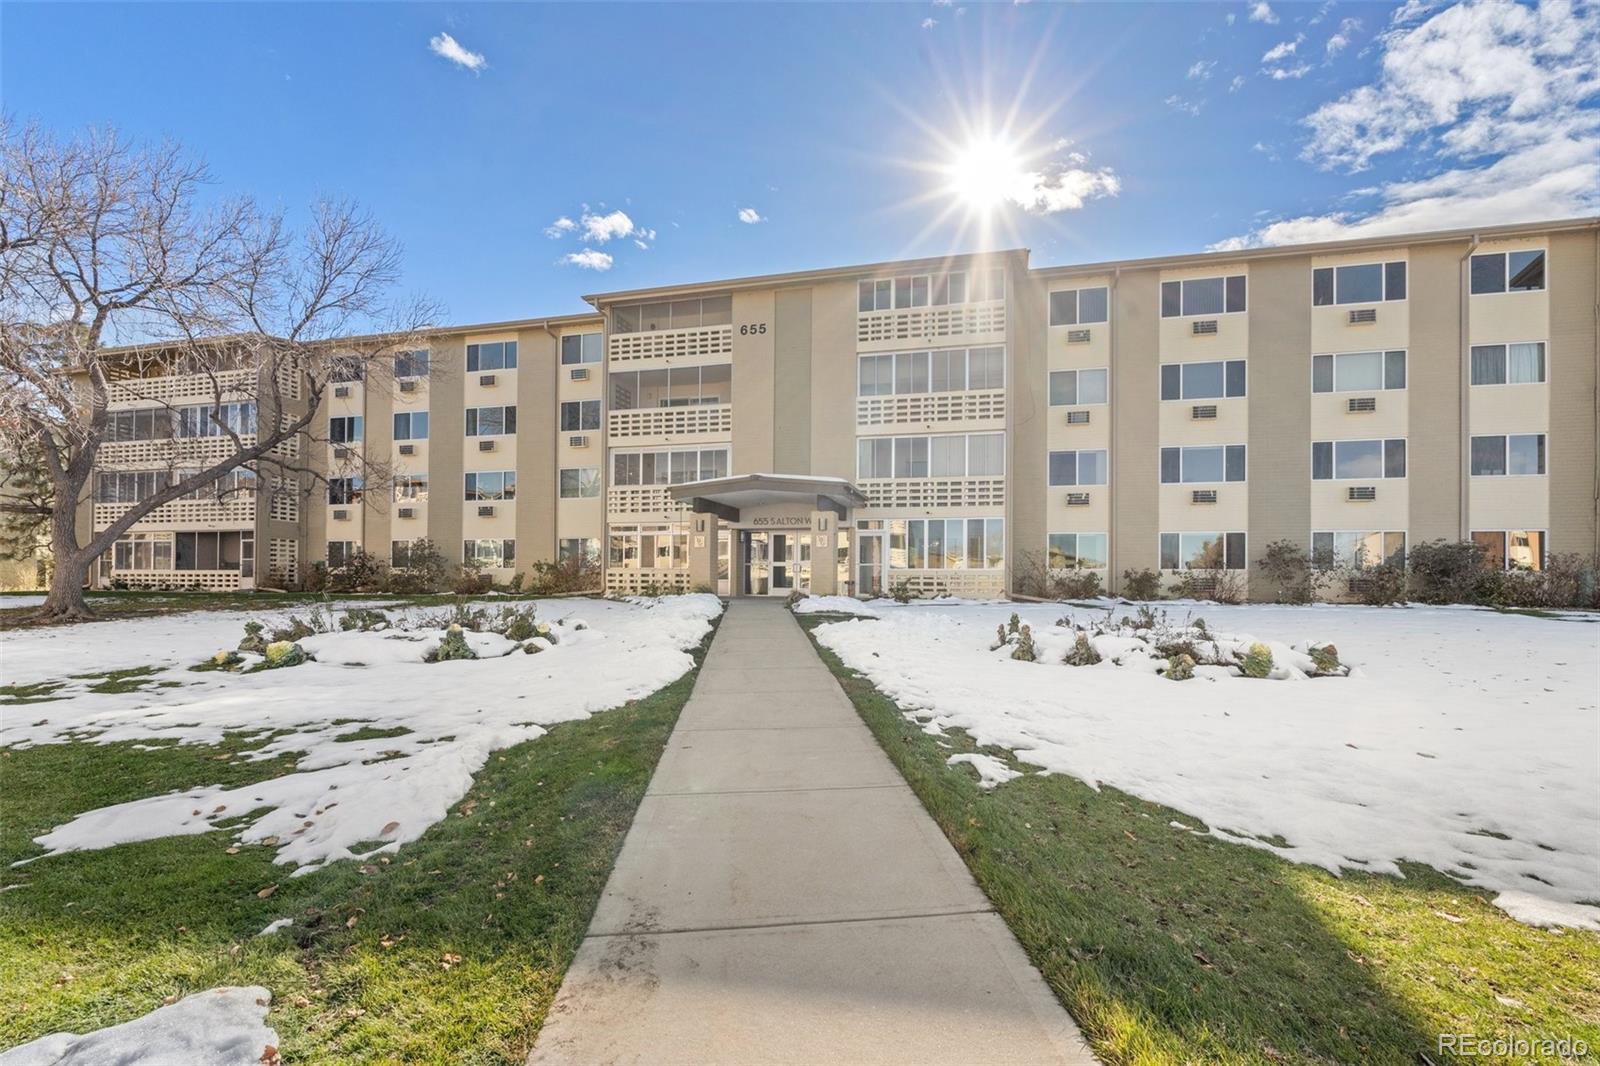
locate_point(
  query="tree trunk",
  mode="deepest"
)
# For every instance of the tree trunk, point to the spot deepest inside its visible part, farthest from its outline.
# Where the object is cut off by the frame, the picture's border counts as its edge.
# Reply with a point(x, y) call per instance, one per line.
point(70, 569)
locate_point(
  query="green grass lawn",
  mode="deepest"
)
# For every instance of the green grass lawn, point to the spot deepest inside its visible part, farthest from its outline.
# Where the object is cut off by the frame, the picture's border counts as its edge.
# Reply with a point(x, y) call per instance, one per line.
point(110, 605)
point(450, 950)
point(1172, 947)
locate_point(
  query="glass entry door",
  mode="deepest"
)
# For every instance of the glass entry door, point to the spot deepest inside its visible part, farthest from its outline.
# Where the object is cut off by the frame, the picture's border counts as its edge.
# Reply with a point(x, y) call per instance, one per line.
point(774, 563)
point(783, 558)
point(869, 563)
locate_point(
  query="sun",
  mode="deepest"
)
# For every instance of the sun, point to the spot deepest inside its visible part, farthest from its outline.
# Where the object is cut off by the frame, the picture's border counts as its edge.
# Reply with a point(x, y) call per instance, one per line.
point(985, 172)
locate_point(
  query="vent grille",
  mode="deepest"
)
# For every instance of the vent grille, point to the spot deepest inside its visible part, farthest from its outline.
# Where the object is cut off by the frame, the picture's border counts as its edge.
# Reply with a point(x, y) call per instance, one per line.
point(1201, 411)
point(580, 441)
point(407, 512)
point(1077, 418)
point(486, 380)
point(408, 449)
point(341, 515)
point(1206, 327)
point(408, 386)
point(1362, 405)
point(486, 511)
point(341, 392)
point(341, 453)
point(1362, 493)
point(580, 374)
point(1077, 336)
point(1077, 499)
point(486, 445)
point(1203, 496)
point(1363, 316)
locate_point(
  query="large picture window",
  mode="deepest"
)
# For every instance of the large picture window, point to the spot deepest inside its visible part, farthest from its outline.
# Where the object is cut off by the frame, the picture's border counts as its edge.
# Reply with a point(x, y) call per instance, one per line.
point(411, 425)
point(1361, 283)
point(945, 370)
point(1083, 467)
point(1203, 296)
point(1203, 551)
point(1203, 381)
point(946, 543)
point(490, 553)
point(1508, 364)
point(1205, 464)
point(1358, 371)
point(1494, 272)
point(691, 313)
point(1362, 550)
point(495, 421)
point(498, 355)
point(1358, 460)
point(1511, 455)
point(930, 290)
point(1076, 388)
point(946, 455)
point(578, 348)
point(675, 467)
point(1078, 551)
point(582, 482)
point(491, 485)
point(1079, 307)
point(1512, 549)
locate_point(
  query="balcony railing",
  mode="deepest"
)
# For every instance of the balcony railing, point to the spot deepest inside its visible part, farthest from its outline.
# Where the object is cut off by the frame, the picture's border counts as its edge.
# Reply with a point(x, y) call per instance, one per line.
point(123, 453)
point(238, 512)
point(181, 388)
point(635, 500)
point(671, 422)
point(923, 492)
point(932, 323)
point(670, 344)
point(931, 407)
point(632, 582)
point(209, 580)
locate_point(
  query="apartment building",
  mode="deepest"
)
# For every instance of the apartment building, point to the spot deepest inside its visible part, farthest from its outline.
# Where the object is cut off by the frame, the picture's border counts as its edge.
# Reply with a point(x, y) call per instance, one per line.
point(961, 425)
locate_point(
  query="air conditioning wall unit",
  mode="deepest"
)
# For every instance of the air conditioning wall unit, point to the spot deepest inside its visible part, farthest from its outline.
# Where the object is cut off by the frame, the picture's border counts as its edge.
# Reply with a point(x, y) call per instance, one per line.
point(341, 515)
point(1362, 405)
point(580, 373)
point(1203, 496)
point(341, 392)
point(1077, 499)
point(1077, 418)
point(1077, 336)
point(1205, 327)
point(486, 445)
point(486, 511)
point(579, 441)
point(407, 512)
point(1361, 493)
point(1202, 411)
point(408, 386)
point(408, 449)
point(1363, 316)
point(486, 380)
point(341, 453)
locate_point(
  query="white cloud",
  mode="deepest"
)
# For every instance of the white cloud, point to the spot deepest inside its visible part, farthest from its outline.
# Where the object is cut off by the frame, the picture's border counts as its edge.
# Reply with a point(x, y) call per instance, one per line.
point(1064, 184)
point(1230, 18)
point(1236, 84)
point(1495, 99)
point(588, 259)
point(1188, 107)
point(598, 229)
point(1201, 69)
point(1261, 11)
point(447, 47)
point(1282, 50)
point(1283, 73)
point(929, 24)
point(1341, 39)
point(750, 216)
point(560, 227)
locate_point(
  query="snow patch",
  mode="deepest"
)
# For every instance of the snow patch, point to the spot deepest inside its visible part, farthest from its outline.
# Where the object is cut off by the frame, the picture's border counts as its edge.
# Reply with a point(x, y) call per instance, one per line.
point(220, 1027)
point(991, 771)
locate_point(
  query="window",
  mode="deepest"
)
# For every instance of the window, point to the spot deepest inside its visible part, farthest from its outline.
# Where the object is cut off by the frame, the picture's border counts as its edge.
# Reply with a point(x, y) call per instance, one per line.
point(347, 368)
point(946, 544)
point(1365, 283)
point(1507, 364)
point(1508, 272)
point(923, 290)
point(581, 482)
point(1203, 465)
point(411, 364)
point(345, 429)
point(1358, 372)
point(410, 488)
point(150, 423)
point(1362, 550)
point(400, 552)
point(947, 370)
point(212, 420)
point(491, 485)
point(946, 455)
point(1203, 551)
point(668, 467)
point(648, 547)
point(986, 368)
point(412, 425)
point(677, 314)
point(130, 486)
point(1516, 455)
point(1078, 387)
point(679, 386)
point(343, 491)
point(579, 348)
point(142, 551)
point(494, 421)
point(491, 553)
point(1512, 549)
point(1086, 467)
point(1203, 296)
point(1078, 551)
point(340, 552)
point(499, 355)
point(1079, 307)
point(585, 548)
point(1358, 460)
point(1202, 381)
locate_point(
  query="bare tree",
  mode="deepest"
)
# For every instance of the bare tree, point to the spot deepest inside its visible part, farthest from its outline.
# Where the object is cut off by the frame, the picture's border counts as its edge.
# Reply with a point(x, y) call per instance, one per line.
point(119, 275)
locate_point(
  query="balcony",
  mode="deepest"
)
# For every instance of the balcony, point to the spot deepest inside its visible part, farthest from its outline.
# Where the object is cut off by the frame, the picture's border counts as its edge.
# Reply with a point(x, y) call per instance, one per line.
point(697, 342)
point(165, 450)
point(933, 492)
point(238, 512)
point(670, 423)
point(178, 389)
point(930, 408)
point(914, 324)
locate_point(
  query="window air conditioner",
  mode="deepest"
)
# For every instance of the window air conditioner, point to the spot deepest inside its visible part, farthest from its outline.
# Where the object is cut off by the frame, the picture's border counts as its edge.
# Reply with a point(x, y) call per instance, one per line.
point(486, 511)
point(580, 373)
point(486, 445)
point(1077, 499)
point(407, 512)
point(408, 386)
point(1077, 336)
point(341, 392)
point(486, 380)
point(1077, 418)
point(1362, 493)
point(1362, 405)
point(341, 453)
point(1202, 411)
point(580, 441)
point(408, 449)
point(1363, 316)
point(1203, 496)
point(1206, 327)
point(341, 515)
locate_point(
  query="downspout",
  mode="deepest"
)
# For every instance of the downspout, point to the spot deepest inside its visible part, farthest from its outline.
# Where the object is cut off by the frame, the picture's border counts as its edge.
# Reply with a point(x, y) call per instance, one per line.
point(1113, 583)
point(1463, 388)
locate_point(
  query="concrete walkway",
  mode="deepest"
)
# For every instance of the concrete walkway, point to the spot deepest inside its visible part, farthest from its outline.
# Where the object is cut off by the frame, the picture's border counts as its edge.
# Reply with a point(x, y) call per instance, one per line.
point(783, 897)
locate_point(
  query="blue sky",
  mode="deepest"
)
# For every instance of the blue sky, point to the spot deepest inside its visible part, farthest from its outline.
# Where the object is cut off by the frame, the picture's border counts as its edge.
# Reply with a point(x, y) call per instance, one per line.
point(1138, 129)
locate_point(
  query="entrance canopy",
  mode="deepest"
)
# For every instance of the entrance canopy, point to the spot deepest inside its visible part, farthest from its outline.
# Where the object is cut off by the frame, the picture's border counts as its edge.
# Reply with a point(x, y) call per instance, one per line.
point(727, 497)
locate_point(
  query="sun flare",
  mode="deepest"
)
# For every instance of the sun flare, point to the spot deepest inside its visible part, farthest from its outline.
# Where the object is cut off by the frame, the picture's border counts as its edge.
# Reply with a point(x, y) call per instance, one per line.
point(985, 172)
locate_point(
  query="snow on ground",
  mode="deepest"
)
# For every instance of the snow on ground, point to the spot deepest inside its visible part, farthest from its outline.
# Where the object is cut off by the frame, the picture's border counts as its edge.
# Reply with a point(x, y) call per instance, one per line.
point(378, 793)
point(221, 1027)
point(14, 599)
point(1464, 739)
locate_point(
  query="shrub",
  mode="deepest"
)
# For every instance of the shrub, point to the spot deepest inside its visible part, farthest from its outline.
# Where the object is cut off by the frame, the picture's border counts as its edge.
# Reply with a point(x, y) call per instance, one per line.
point(1082, 652)
point(454, 646)
point(1141, 584)
point(281, 653)
point(1292, 572)
point(1257, 661)
point(1448, 572)
point(316, 578)
point(1222, 586)
point(470, 580)
point(425, 570)
point(363, 618)
point(253, 640)
point(1014, 624)
point(1025, 650)
point(1325, 657)
point(516, 623)
point(901, 591)
point(1180, 668)
point(222, 660)
point(576, 573)
point(362, 572)
point(1379, 586)
point(1077, 585)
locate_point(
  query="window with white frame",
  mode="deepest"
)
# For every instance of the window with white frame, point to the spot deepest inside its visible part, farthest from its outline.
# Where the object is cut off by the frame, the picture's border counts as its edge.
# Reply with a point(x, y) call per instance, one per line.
point(235, 484)
point(648, 547)
point(1203, 296)
point(679, 386)
point(675, 467)
point(1360, 549)
point(944, 455)
point(1521, 271)
point(411, 488)
point(413, 364)
point(1358, 460)
point(1080, 307)
point(1081, 467)
point(343, 491)
point(944, 370)
point(1512, 549)
point(585, 548)
point(345, 429)
point(1203, 464)
point(411, 425)
point(496, 355)
point(497, 421)
point(340, 553)
point(1212, 380)
point(946, 543)
point(147, 423)
point(490, 553)
point(1076, 388)
point(347, 368)
point(129, 486)
point(403, 554)
point(1358, 371)
point(142, 551)
point(1203, 551)
point(1359, 283)
point(1078, 551)
point(688, 313)
point(1508, 364)
point(930, 290)
point(581, 482)
point(491, 485)
point(578, 348)
point(1508, 455)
